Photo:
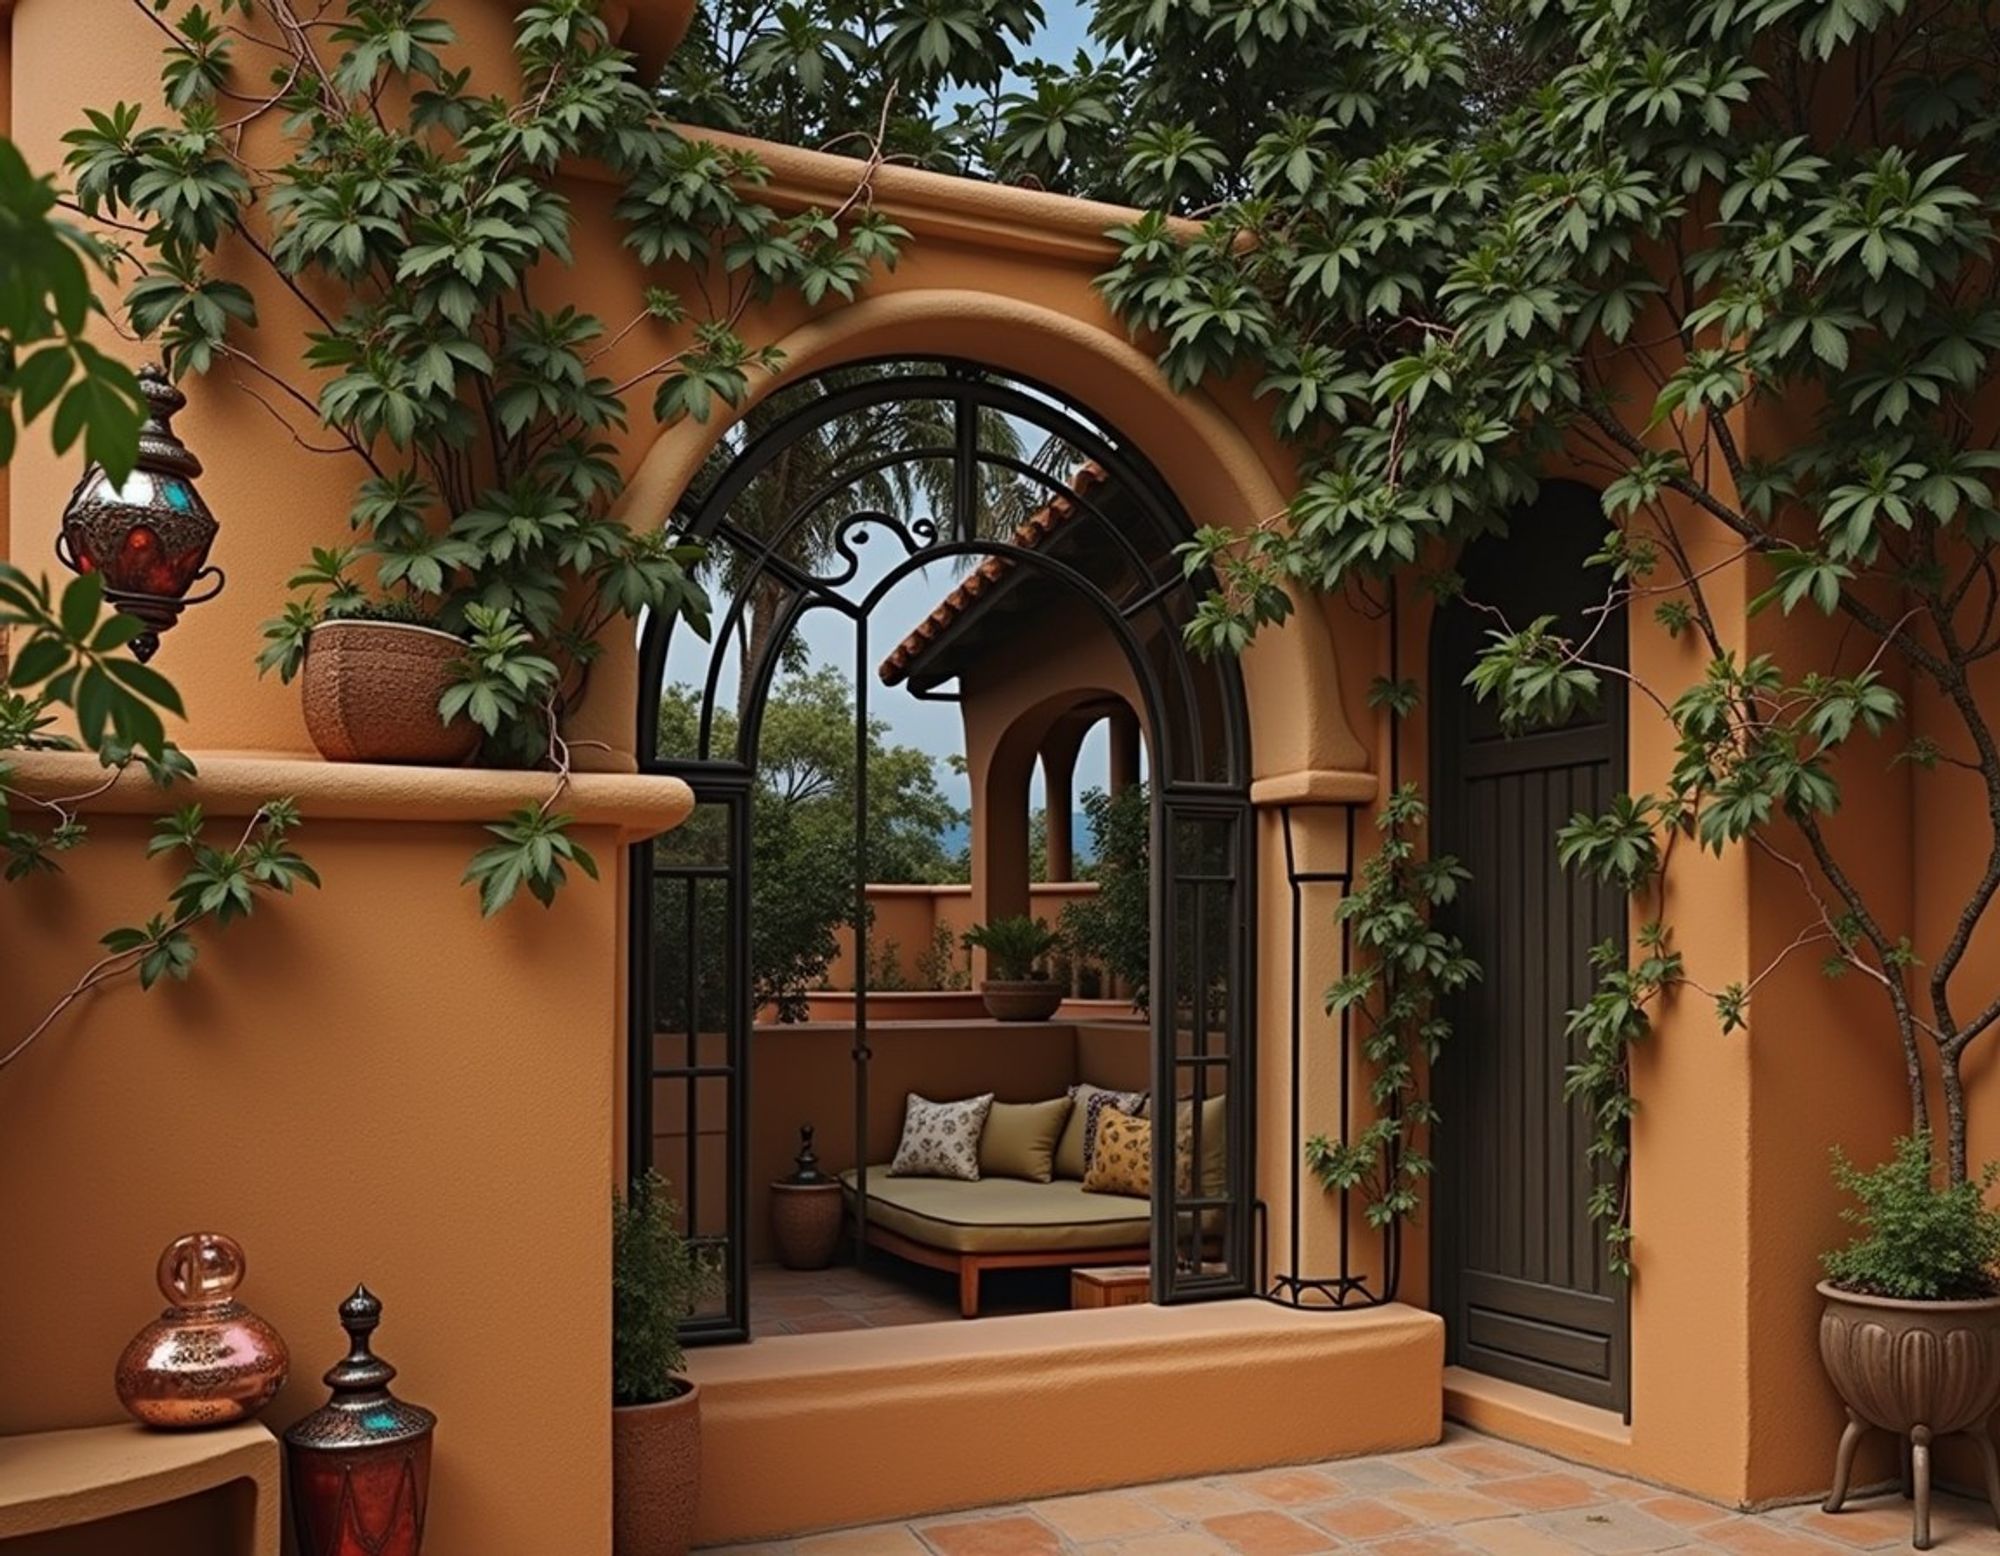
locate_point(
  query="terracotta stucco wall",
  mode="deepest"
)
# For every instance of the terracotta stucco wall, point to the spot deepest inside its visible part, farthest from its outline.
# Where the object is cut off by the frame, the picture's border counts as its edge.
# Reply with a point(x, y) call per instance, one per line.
point(365, 1083)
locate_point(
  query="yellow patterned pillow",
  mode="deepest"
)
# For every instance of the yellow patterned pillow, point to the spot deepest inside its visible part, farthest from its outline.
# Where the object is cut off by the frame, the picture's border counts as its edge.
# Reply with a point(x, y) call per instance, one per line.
point(1121, 1160)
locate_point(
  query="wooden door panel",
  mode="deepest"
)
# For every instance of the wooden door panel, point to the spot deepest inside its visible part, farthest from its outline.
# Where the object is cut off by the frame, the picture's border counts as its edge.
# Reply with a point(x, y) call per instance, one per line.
point(1521, 1272)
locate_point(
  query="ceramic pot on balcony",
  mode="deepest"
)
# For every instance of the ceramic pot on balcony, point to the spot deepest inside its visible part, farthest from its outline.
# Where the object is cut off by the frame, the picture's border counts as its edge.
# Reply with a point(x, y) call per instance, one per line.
point(656, 1475)
point(1921, 1370)
point(370, 690)
point(1021, 999)
point(806, 1211)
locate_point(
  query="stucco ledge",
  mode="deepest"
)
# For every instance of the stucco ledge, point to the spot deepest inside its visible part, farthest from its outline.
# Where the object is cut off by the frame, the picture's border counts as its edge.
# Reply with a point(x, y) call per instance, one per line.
point(1315, 786)
point(635, 805)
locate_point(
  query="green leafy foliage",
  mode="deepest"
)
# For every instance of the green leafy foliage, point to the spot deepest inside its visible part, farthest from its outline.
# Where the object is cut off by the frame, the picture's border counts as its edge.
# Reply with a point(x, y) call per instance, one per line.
point(922, 76)
point(1919, 1239)
point(657, 1279)
point(70, 663)
point(46, 305)
point(1405, 971)
point(1016, 948)
point(1114, 927)
point(1734, 257)
point(407, 213)
point(802, 849)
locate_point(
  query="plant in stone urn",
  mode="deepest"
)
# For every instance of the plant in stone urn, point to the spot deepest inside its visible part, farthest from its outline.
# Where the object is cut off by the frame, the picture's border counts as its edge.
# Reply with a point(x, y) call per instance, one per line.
point(1911, 1330)
point(656, 1279)
point(1017, 986)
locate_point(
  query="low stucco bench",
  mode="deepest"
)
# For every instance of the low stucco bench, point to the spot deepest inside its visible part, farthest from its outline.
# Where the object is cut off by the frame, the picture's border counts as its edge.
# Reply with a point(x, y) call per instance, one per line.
point(999, 1223)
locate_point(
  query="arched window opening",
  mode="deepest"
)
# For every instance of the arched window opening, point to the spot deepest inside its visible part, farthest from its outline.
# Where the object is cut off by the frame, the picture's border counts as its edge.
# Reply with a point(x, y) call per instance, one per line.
point(946, 603)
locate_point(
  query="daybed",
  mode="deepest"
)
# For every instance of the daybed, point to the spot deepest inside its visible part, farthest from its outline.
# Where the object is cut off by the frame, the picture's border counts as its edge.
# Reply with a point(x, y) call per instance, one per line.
point(999, 1224)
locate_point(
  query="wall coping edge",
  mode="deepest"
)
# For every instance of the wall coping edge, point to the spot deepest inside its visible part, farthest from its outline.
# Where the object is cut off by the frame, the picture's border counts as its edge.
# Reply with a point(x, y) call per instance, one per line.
point(636, 805)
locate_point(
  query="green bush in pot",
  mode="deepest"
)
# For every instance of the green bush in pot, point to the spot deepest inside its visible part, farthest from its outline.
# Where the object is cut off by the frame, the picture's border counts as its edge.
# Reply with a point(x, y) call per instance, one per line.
point(1017, 986)
point(657, 1278)
point(1910, 1333)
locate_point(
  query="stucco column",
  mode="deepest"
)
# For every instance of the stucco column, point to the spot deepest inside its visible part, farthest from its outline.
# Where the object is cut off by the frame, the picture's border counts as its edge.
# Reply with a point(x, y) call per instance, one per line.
point(1059, 753)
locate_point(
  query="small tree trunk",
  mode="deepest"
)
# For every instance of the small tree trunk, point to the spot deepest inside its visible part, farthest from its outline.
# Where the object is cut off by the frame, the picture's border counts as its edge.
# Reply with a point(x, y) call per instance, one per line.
point(1956, 1169)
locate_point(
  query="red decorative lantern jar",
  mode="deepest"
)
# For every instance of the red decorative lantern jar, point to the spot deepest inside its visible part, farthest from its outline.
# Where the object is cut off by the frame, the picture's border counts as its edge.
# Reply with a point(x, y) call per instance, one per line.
point(361, 1463)
point(148, 537)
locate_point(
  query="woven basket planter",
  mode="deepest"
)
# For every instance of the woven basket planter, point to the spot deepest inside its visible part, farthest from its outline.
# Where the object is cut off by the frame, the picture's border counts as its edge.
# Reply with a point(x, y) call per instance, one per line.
point(370, 690)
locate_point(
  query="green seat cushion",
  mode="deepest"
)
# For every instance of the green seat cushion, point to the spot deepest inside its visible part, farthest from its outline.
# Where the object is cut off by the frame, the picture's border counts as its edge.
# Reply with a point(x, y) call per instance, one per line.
point(1020, 1139)
point(1003, 1215)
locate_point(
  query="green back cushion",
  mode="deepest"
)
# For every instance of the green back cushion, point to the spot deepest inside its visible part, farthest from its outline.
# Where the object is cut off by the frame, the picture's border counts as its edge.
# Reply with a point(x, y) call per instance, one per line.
point(1020, 1139)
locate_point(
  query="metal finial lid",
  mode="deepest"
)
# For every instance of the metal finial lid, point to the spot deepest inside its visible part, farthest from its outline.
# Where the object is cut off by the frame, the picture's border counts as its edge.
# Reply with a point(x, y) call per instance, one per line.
point(360, 1368)
point(160, 450)
point(805, 1166)
point(362, 1411)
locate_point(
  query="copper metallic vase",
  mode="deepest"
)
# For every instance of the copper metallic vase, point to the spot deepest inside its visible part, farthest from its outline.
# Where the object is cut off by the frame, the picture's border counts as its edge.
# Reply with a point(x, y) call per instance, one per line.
point(207, 1360)
point(360, 1465)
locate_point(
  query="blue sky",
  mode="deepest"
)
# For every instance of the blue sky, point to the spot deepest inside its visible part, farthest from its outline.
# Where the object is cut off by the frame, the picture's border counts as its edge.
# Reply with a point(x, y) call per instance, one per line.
point(1065, 29)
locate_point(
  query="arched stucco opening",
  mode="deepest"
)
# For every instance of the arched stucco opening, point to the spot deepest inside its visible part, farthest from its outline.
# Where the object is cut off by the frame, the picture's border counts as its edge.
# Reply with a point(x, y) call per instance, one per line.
point(1298, 724)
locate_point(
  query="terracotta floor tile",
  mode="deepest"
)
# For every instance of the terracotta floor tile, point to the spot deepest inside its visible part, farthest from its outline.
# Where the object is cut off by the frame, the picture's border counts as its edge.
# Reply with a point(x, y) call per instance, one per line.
point(1290, 1488)
point(1485, 1459)
point(1446, 1504)
point(1434, 1469)
point(1017, 1534)
point(1174, 1542)
point(882, 1540)
point(1102, 1515)
point(1188, 1499)
point(1765, 1536)
point(1362, 1518)
point(1265, 1533)
point(1427, 1544)
point(1688, 1512)
point(1864, 1528)
point(1612, 1529)
point(824, 1322)
point(1371, 1476)
point(1541, 1493)
point(1512, 1537)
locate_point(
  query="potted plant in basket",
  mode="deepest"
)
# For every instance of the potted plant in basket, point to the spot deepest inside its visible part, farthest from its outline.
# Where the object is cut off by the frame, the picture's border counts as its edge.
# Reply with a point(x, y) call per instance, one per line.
point(1911, 1330)
point(656, 1279)
point(1018, 986)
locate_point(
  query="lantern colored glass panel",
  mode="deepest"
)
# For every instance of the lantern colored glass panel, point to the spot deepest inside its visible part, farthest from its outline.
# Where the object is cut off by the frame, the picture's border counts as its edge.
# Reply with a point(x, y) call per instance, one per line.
point(149, 537)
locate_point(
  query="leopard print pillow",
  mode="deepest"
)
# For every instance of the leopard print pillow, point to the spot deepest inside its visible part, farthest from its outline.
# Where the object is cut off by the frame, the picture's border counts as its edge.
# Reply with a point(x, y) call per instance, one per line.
point(941, 1139)
point(1122, 1162)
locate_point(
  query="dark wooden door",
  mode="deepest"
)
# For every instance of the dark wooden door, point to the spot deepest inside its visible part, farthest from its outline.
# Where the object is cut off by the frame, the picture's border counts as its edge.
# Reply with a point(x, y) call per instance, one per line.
point(1520, 1266)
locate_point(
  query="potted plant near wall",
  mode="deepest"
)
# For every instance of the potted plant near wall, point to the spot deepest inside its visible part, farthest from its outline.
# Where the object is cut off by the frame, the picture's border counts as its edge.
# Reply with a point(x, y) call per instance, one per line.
point(423, 225)
point(1911, 1329)
point(1018, 986)
point(656, 1279)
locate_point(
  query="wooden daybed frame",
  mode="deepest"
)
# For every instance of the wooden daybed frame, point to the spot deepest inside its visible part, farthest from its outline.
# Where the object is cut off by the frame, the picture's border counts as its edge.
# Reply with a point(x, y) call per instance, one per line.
point(970, 1266)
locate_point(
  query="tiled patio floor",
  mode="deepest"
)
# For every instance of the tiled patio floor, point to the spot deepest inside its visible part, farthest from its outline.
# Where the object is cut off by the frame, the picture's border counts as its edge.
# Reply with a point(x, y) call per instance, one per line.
point(887, 1294)
point(1470, 1496)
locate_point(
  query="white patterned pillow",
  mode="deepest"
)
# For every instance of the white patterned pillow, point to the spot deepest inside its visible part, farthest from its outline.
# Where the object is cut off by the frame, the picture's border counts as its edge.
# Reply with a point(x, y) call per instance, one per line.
point(941, 1139)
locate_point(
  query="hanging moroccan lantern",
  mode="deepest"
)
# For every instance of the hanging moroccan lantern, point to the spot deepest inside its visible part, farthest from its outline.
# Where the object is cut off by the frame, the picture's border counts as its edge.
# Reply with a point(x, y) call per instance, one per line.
point(148, 538)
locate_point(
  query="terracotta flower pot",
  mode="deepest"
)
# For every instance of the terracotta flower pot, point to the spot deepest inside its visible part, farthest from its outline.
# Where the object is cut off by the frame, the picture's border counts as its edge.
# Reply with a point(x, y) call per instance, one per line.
point(656, 1476)
point(1021, 999)
point(1921, 1370)
point(371, 690)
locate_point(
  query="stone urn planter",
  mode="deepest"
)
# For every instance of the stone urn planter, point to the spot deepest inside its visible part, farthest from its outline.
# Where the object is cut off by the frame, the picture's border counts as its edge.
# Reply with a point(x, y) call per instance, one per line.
point(370, 690)
point(1922, 1370)
point(1021, 999)
point(656, 1475)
